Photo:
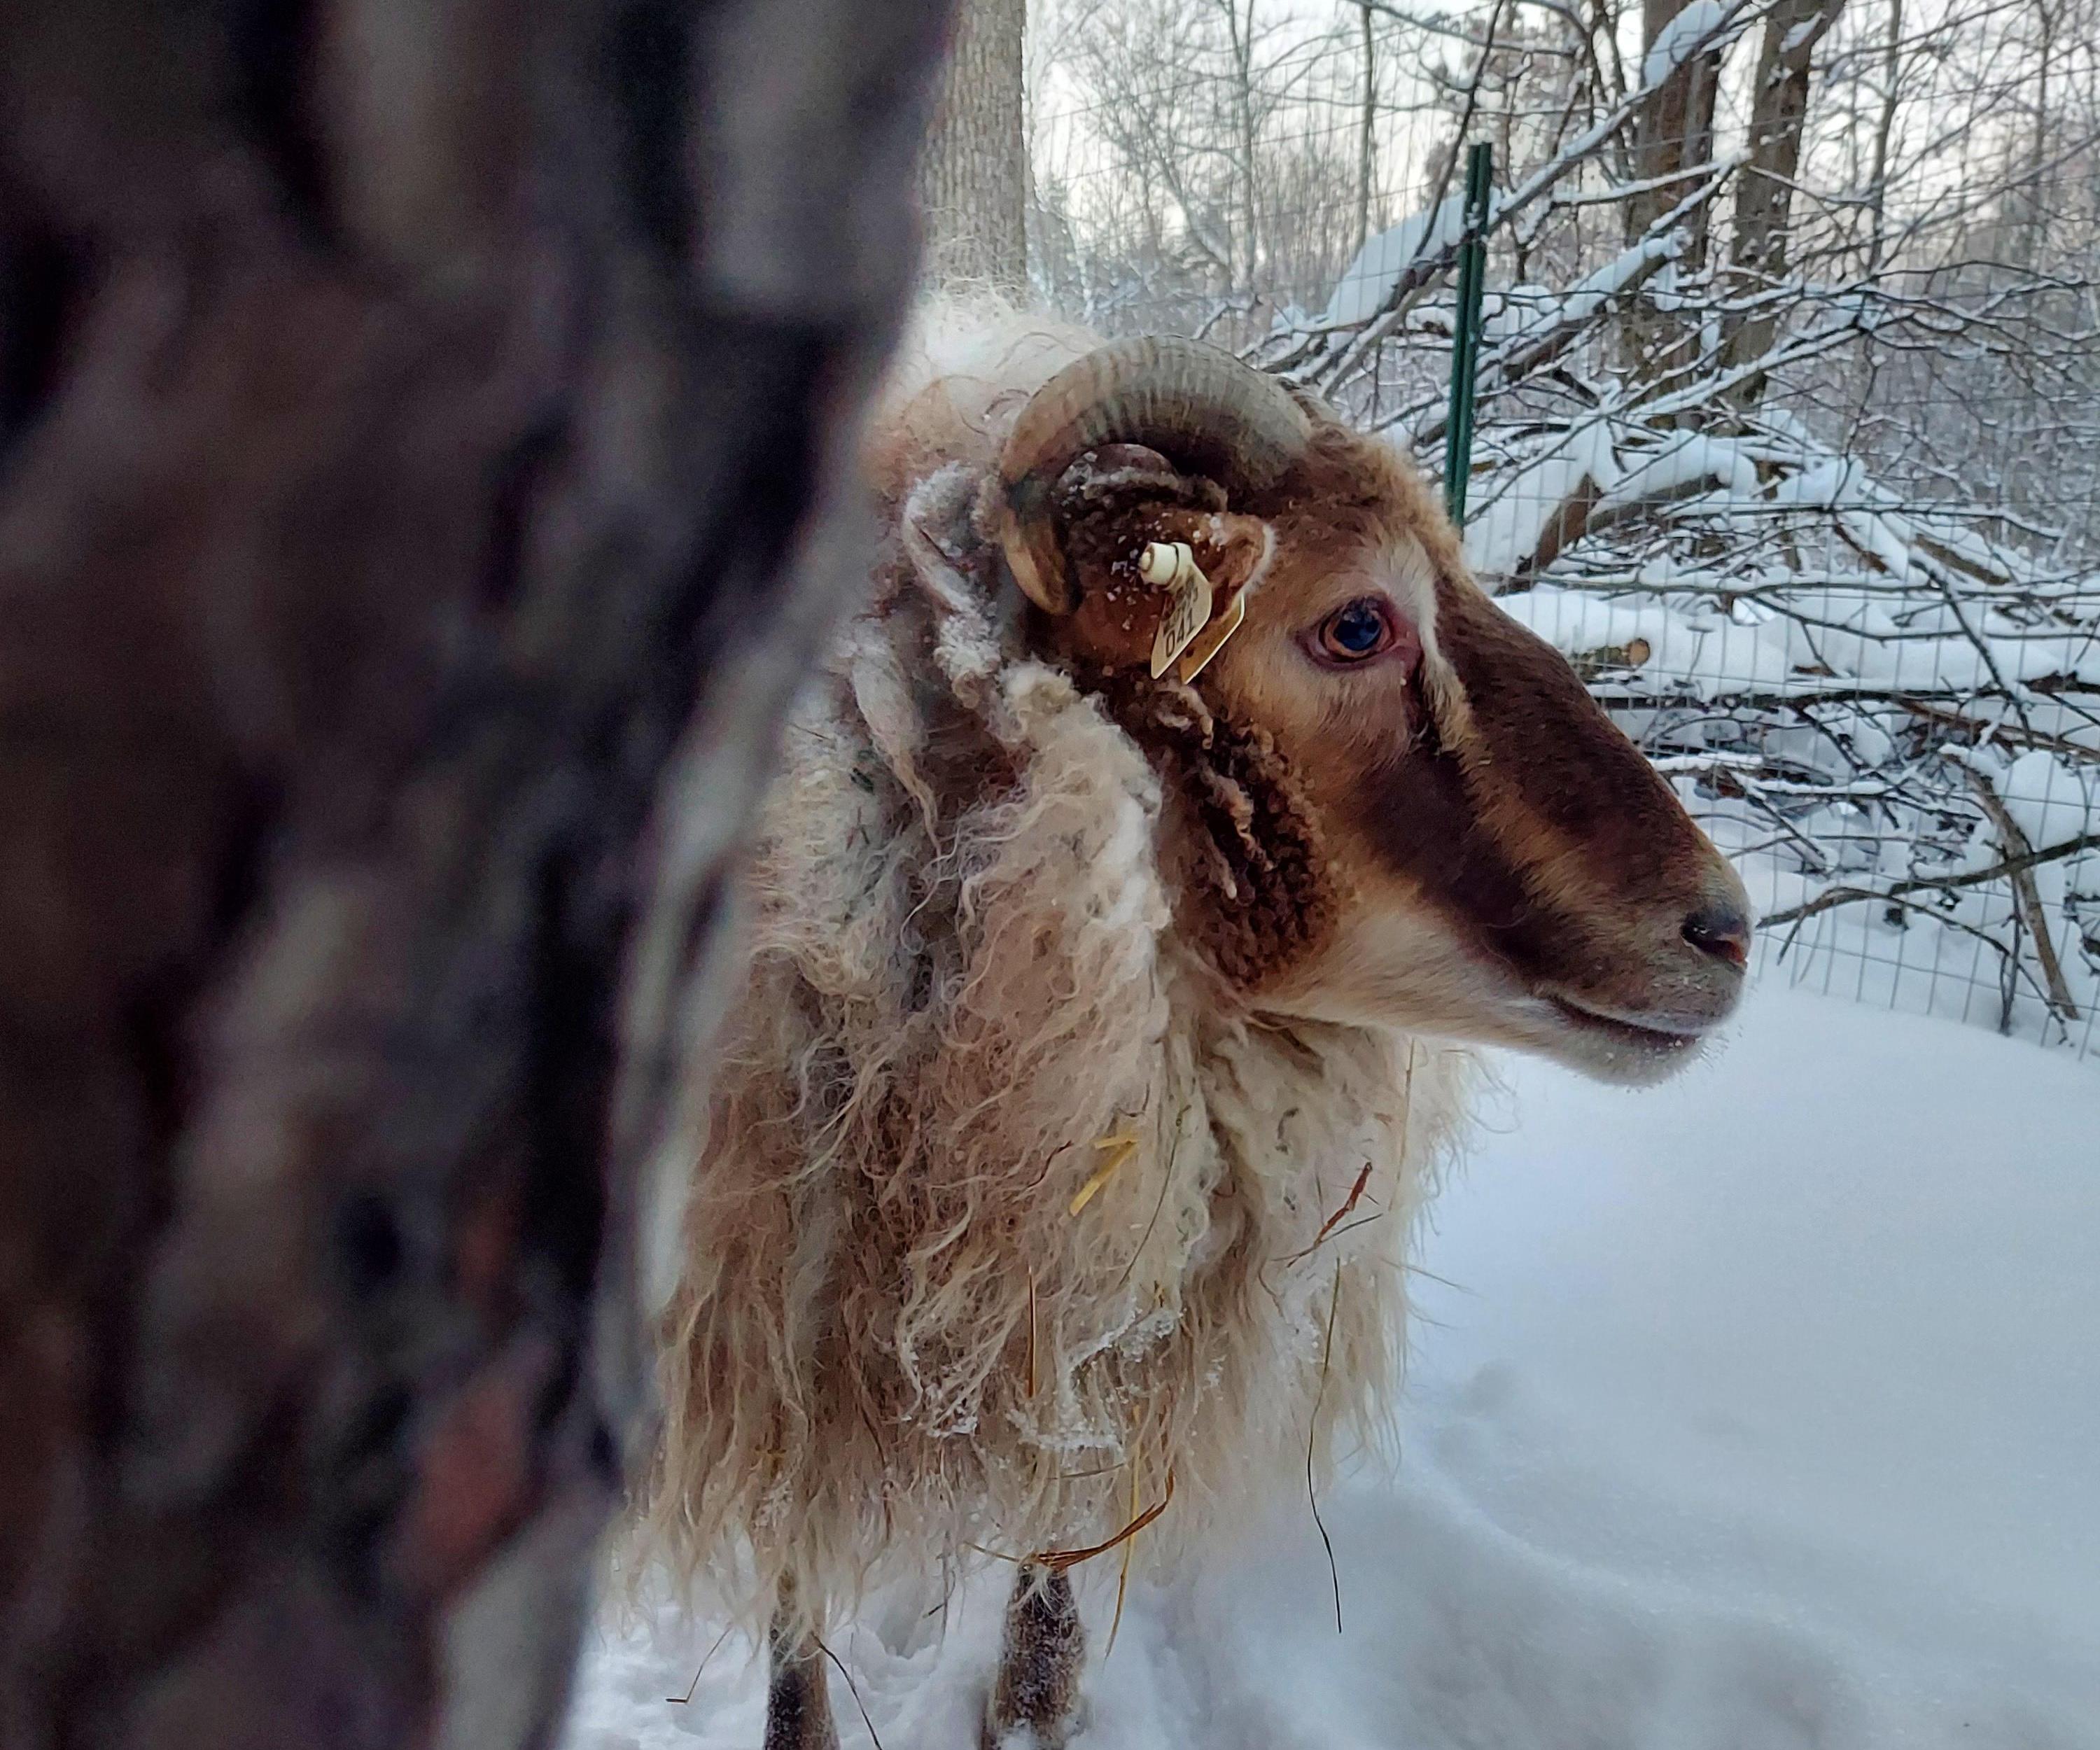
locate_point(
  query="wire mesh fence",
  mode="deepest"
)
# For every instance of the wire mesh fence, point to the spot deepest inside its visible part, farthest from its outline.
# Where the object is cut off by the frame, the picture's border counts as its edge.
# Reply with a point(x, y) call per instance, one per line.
point(1806, 493)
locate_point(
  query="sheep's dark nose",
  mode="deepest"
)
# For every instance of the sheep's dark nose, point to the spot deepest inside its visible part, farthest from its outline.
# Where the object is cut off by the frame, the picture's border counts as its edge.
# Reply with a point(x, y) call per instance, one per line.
point(1724, 931)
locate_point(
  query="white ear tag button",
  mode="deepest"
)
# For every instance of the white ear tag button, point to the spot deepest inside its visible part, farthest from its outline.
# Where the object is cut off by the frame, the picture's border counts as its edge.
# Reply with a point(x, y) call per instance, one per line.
point(1170, 565)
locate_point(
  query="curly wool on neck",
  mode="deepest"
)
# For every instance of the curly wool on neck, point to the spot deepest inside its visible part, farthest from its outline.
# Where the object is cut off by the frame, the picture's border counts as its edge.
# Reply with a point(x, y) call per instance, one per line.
point(981, 973)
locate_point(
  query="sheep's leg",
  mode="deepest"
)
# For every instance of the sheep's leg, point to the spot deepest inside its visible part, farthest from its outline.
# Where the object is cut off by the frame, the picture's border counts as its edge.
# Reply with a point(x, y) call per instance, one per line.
point(798, 1703)
point(1035, 1699)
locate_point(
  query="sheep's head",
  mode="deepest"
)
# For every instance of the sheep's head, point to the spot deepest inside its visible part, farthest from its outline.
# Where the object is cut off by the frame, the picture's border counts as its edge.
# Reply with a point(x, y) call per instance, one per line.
point(1495, 861)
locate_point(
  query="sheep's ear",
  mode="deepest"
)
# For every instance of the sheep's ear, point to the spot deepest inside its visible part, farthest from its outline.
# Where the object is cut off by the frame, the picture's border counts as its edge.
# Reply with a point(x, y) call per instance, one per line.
point(1163, 586)
point(1156, 565)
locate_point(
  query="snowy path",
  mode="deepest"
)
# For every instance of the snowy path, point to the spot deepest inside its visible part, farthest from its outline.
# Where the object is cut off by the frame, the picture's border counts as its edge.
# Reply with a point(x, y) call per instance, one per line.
point(1762, 1410)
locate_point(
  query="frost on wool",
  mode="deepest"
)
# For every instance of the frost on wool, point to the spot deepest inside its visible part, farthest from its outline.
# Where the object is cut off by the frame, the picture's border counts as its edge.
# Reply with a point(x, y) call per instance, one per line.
point(974, 983)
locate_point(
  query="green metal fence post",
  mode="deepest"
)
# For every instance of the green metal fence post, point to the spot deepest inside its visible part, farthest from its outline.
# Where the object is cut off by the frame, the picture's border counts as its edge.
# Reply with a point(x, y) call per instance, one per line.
point(1465, 330)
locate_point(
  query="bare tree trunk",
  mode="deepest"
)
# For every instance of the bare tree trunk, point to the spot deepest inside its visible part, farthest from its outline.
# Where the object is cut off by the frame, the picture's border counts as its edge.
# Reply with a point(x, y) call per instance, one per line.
point(973, 175)
point(1367, 131)
point(1673, 136)
point(1241, 35)
point(1885, 122)
point(408, 417)
point(1764, 195)
point(2036, 193)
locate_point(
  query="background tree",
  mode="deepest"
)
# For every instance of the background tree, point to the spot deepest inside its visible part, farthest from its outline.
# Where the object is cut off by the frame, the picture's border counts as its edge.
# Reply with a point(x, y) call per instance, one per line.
point(973, 175)
point(413, 423)
point(1671, 141)
point(1764, 193)
point(1204, 174)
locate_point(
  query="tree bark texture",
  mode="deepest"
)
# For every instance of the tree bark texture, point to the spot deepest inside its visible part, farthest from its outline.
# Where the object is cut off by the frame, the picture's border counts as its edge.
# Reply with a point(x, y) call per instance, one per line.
point(413, 414)
point(1764, 194)
point(1672, 134)
point(973, 176)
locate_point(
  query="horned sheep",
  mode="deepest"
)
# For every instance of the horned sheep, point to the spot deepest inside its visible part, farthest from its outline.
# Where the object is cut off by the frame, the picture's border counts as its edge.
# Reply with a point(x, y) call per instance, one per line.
point(1114, 990)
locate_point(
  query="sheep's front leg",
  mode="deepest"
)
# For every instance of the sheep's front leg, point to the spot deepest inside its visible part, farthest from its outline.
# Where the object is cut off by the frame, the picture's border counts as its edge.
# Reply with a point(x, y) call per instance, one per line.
point(798, 1703)
point(1035, 1698)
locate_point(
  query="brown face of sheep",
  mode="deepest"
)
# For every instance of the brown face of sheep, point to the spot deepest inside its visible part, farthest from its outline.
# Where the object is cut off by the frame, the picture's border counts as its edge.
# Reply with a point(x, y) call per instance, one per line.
point(1502, 865)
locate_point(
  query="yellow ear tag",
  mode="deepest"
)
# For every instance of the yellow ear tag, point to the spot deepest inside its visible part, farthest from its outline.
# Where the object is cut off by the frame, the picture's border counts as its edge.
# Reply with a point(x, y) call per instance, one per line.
point(1211, 640)
point(1171, 565)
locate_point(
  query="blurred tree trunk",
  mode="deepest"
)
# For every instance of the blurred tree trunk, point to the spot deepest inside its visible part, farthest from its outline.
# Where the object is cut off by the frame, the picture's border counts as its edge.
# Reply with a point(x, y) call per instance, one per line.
point(1764, 193)
point(1673, 138)
point(973, 175)
point(412, 420)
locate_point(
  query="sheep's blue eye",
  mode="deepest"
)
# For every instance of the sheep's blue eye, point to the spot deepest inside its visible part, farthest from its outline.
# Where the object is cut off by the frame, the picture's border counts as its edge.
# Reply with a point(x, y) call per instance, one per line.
point(1359, 630)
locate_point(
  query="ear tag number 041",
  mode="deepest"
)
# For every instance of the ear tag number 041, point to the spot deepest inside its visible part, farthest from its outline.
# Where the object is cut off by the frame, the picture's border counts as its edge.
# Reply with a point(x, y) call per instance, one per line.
point(1171, 565)
point(1211, 640)
point(1184, 630)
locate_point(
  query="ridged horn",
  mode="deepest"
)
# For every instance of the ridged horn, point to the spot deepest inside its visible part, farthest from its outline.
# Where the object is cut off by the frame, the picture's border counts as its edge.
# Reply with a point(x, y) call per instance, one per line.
point(1199, 407)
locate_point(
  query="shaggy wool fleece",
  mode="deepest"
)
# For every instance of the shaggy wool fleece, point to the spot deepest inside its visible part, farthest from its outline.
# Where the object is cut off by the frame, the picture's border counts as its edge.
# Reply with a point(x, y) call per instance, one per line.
point(1009, 1214)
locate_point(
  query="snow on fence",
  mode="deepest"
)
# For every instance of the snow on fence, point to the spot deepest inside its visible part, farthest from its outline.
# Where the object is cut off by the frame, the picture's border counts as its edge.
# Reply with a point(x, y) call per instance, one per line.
point(1820, 535)
point(1883, 708)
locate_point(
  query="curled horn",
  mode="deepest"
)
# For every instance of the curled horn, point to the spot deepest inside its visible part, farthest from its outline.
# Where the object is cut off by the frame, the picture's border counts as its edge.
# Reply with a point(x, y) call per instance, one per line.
point(1198, 406)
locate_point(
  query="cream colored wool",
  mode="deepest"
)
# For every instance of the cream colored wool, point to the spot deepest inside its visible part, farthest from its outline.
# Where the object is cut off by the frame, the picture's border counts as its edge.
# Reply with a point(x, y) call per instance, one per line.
point(892, 1345)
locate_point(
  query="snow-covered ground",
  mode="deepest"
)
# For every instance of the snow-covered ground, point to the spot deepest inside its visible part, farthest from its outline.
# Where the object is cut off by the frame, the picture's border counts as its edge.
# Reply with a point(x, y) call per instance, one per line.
point(1761, 1410)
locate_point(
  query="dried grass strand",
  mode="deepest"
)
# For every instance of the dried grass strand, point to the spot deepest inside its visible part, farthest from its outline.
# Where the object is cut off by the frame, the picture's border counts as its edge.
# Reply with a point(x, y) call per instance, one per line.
point(1064, 1561)
point(1311, 1439)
